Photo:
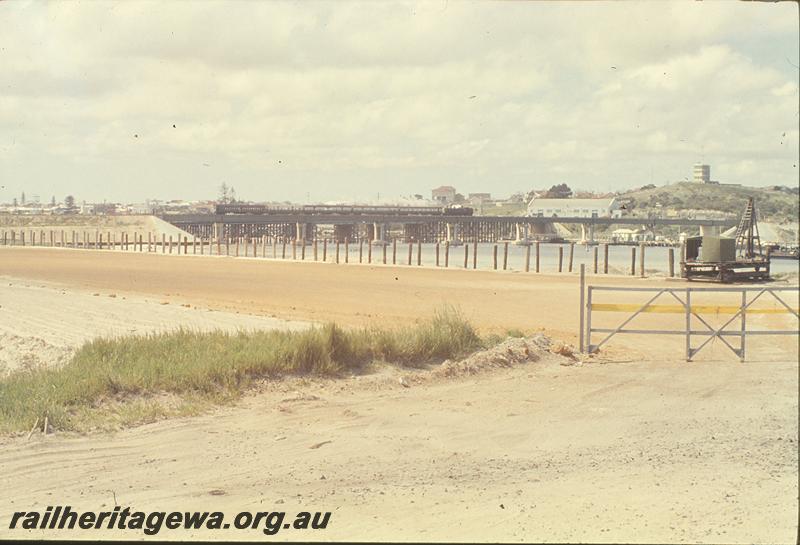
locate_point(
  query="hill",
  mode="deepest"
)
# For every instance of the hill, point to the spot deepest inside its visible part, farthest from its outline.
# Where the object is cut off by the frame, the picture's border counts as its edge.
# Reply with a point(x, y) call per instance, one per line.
point(778, 204)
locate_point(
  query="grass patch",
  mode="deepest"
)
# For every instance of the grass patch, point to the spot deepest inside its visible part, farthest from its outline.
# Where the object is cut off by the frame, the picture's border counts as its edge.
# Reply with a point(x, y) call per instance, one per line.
point(123, 381)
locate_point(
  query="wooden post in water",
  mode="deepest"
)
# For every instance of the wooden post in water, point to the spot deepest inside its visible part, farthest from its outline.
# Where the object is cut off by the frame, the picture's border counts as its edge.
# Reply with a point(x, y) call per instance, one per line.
point(446, 253)
point(571, 255)
point(419, 253)
point(560, 258)
point(361, 250)
point(475, 254)
point(324, 249)
point(641, 259)
point(369, 252)
point(538, 256)
point(149, 242)
point(315, 249)
point(410, 250)
point(385, 249)
point(466, 255)
point(194, 244)
point(596, 258)
point(633, 261)
point(437, 253)
point(494, 257)
point(346, 250)
point(394, 251)
point(671, 262)
point(505, 256)
point(283, 248)
point(263, 246)
point(238, 240)
point(605, 258)
point(302, 250)
point(337, 250)
point(528, 258)
point(294, 249)
point(185, 244)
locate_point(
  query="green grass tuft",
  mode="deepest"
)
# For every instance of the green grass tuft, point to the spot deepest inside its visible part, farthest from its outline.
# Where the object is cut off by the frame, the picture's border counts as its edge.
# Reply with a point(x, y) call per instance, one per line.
point(124, 376)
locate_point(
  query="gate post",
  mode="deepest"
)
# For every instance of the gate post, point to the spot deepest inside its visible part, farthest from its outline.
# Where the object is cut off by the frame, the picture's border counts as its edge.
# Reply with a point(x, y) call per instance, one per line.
point(580, 331)
point(688, 324)
point(744, 334)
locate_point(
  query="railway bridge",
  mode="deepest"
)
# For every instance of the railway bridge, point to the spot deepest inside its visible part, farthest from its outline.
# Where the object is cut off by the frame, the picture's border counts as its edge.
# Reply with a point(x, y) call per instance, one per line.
point(380, 224)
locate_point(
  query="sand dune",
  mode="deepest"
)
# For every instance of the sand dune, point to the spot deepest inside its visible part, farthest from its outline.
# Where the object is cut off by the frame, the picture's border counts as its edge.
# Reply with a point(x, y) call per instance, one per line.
point(116, 225)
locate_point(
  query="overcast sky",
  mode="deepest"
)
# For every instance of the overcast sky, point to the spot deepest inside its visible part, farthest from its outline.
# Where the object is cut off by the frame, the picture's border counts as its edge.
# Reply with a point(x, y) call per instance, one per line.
point(318, 101)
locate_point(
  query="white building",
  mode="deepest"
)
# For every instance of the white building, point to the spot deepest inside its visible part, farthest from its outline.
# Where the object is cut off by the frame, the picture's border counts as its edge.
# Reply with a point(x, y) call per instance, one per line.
point(575, 208)
point(702, 174)
point(631, 235)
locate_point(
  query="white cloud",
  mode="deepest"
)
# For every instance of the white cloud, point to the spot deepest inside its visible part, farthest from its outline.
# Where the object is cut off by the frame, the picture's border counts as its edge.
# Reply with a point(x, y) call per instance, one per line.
point(281, 99)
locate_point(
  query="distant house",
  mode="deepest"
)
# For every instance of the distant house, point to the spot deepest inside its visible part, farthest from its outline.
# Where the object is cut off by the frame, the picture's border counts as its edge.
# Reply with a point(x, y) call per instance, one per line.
point(444, 194)
point(478, 198)
point(575, 208)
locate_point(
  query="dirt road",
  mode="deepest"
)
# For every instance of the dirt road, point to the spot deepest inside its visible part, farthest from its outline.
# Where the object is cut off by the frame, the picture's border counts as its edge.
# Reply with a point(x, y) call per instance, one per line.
point(655, 452)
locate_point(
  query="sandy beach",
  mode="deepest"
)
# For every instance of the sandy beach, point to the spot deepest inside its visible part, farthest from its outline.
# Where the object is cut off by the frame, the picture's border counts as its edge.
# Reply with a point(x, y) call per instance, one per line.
point(634, 445)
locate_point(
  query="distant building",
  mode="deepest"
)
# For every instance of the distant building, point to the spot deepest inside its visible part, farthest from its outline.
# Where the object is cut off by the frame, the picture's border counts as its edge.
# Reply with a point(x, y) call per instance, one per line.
point(575, 208)
point(631, 235)
point(444, 194)
point(479, 198)
point(702, 174)
point(141, 208)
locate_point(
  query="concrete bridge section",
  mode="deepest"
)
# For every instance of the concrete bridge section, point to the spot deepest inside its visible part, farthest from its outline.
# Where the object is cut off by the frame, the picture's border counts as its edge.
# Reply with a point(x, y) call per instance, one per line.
point(380, 229)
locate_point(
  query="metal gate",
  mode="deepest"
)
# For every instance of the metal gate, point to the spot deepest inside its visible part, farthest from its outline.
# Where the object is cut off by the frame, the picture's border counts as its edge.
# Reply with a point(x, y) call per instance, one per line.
point(734, 328)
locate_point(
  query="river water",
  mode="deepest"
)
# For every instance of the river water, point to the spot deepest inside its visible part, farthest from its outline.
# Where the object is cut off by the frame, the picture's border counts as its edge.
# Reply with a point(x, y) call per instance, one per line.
point(619, 257)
